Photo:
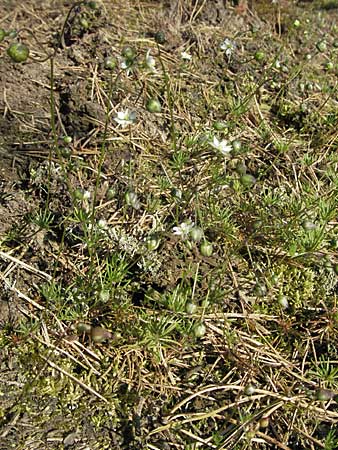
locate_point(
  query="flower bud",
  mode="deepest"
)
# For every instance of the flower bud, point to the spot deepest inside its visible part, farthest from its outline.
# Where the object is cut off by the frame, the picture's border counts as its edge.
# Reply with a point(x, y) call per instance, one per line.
point(83, 327)
point(99, 334)
point(152, 242)
point(259, 56)
point(196, 234)
point(199, 330)
point(109, 63)
point(153, 105)
point(160, 37)
point(190, 308)
point(206, 248)
point(247, 180)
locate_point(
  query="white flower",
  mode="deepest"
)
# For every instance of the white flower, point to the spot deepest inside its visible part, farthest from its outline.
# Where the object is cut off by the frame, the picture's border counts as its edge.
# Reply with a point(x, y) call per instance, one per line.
point(184, 229)
point(127, 65)
point(186, 56)
point(124, 65)
point(150, 62)
point(125, 118)
point(228, 46)
point(222, 146)
point(86, 195)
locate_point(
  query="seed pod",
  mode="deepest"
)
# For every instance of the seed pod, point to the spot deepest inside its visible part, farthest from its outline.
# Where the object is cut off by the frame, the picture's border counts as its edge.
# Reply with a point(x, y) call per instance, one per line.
point(249, 389)
point(109, 63)
point(259, 56)
point(206, 248)
point(110, 193)
point(83, 327)
point(129, 53)
point(236, 145)
point(260, 289)
point(199, 330)
point(12, 34)
point(324, 395)
point(283, 301)
point(190, 308)
point(67, 139)
point(132, 200)
point(196, 234)
point(84, 23)
point(329, 65)
point(153, 105)
point(160, 37)
point(219, 126)
point(92, 5)
point(18, 52)
point(66, 152)
point(241, 168)
point(152, 242)
point(264, 422)
point(247, 180)
point(308, 225)
point(104, 296)
point(99, 334)
point(321, 46)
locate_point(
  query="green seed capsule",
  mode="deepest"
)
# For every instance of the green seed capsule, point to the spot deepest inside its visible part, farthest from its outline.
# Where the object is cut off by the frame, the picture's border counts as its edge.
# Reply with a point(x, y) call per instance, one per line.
point(240, 168)
point(260, 289)
point(321, 46)
point(78, 194)
point(249, 389)
point(236, 145)
point(153, 241)
point(18, 52)
point(83, 327)
point(259, 56)
point(66, 152)
point(2, 34)
point(153, 105)
point(84, 23)
point(92, 5)
point(283, 302)
point(109, 63)
point(190, 308)
point(324, 395)
point(264, 422)
point(110, 194)
point(206, 248)
point(196, 234)
point(308, 225)
point(129, 53)
point(67, 139)
point(160, 37)
point(132, 200)
point(99, 334)
point(12, 34)
point(247, 180)
point(199, 330)
point(219, 126)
